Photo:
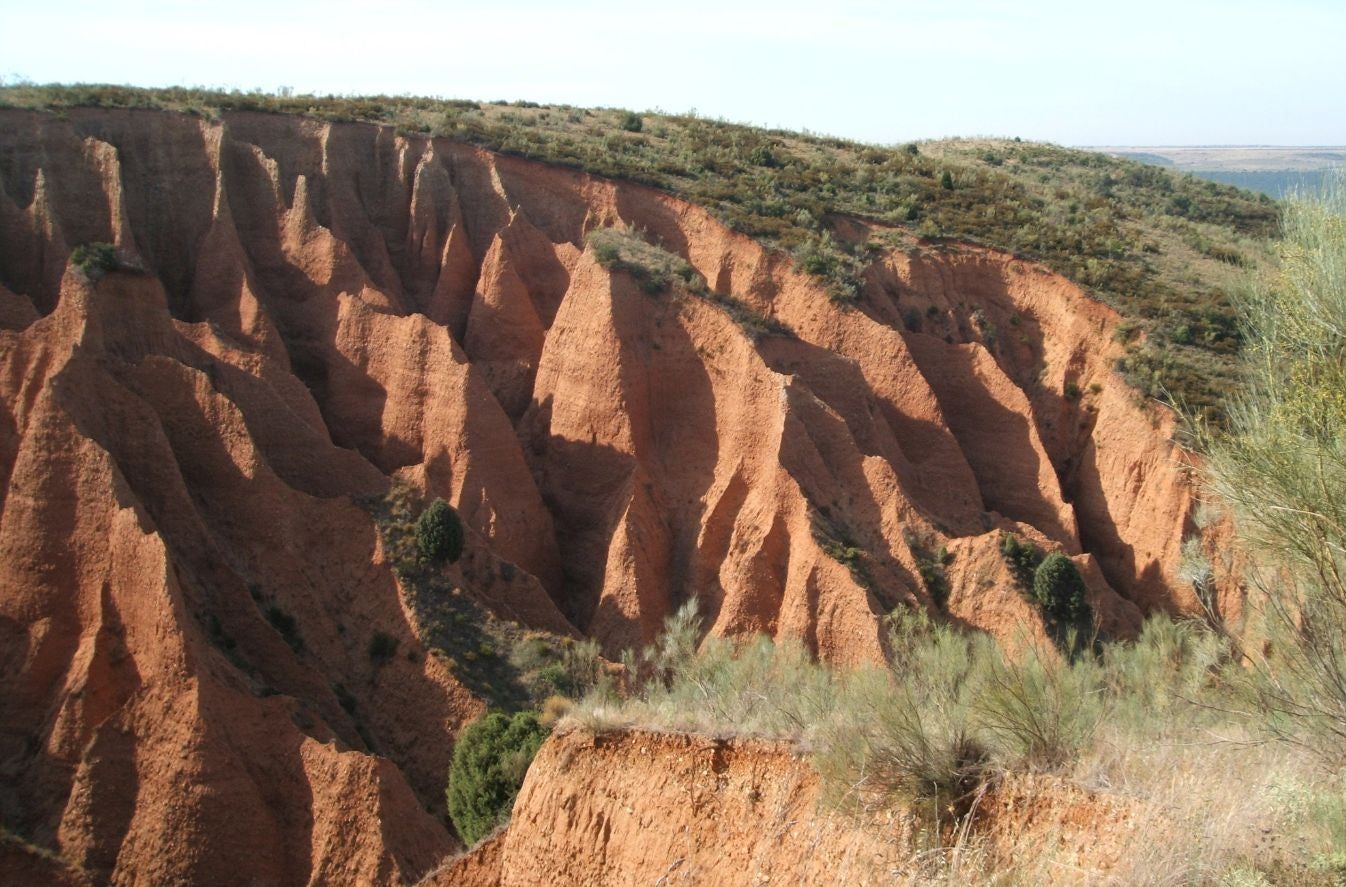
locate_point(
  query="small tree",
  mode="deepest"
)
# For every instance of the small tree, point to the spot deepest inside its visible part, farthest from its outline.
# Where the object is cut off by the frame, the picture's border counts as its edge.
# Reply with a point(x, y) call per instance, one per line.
point(439, 533)
point(1059, 589)
point(946, 181)
point(94, 260)
point(489, 763)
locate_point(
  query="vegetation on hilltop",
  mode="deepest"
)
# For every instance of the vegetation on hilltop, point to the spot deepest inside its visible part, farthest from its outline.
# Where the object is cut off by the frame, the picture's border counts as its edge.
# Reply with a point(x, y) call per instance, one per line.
point(1161, 248)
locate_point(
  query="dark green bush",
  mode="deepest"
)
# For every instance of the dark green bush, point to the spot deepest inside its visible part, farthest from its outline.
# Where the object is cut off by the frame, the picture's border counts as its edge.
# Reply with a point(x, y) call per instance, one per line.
point(439, 533)
point(94, 259)
point(382, 647)
point(489, 763)
point(936, 583)
point(287, 626)
point(1059, 589)
point(632, 122)
point(762, 155)
point(946, 181)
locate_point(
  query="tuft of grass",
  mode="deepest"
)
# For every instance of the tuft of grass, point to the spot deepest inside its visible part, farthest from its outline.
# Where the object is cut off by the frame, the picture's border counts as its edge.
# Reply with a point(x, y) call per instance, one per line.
point(656, 269)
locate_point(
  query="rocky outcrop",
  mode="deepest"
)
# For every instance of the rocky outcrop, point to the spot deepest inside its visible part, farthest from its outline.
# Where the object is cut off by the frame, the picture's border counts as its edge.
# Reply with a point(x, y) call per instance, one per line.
point(307, 313)
point(637, 807)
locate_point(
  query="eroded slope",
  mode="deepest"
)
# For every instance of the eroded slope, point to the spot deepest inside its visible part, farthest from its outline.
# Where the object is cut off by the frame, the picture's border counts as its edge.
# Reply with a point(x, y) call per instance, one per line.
point(308, 313)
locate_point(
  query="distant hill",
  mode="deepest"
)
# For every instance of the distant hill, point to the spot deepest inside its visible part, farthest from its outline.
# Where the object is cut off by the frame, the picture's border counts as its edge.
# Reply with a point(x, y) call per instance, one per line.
point(1274, 171)
point(1277, 183)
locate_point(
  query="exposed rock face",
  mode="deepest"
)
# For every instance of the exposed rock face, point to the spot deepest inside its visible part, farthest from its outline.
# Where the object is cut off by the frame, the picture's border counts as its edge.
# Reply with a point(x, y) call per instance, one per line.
point(635, 807)
point(630, 808)
point(188, 589)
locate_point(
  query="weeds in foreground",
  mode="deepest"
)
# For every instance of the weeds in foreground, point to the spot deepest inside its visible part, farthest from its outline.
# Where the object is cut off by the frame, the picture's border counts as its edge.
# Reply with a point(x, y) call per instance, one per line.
point(1281, 466)
point(1144, 733)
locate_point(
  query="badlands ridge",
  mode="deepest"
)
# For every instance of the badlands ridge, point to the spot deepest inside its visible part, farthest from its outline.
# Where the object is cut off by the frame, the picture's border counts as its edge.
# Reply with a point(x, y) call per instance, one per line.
point(311, 316)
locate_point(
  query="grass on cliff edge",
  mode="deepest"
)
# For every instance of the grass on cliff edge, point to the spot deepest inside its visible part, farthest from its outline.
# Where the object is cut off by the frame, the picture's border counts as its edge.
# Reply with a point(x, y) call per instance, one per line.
point(1146, 727)
point(1164, 249)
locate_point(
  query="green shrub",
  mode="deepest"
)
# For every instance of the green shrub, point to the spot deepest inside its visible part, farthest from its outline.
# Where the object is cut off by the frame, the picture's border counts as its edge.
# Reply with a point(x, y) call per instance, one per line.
point(935, 581)
point(489, 762)
point(1022, 558)
point(439, 533)
point(762, 155)
point(632, 122)
point(1059, 589)
point(94, 259)
point(946, 181)
point(1061, 596)
point(753, 322)
point(930, 564)
point(897, 741)
point(1040, 710)
point(914, 741)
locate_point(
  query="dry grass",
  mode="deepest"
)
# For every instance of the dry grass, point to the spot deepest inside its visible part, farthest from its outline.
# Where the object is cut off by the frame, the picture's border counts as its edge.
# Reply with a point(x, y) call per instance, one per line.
point(1133, 768)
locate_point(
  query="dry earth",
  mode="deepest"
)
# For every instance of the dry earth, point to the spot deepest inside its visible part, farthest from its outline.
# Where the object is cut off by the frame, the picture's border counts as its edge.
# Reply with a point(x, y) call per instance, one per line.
point(309, 312)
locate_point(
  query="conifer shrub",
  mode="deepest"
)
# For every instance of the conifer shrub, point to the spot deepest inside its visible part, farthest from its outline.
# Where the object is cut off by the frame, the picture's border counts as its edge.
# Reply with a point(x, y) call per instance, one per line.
point(489, 763)
point(439, 533)
point(1059, 589)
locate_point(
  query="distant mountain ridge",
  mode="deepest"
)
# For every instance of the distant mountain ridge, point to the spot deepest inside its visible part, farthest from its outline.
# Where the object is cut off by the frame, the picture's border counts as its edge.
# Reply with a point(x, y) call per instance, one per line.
point(1276, 171)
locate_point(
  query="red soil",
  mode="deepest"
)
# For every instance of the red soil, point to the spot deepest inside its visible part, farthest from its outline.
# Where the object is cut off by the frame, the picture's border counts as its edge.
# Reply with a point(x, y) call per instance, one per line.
point(324, 309)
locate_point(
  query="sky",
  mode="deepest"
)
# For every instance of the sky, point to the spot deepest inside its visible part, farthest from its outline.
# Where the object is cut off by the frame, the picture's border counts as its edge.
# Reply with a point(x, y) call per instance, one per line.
point(1181, 72)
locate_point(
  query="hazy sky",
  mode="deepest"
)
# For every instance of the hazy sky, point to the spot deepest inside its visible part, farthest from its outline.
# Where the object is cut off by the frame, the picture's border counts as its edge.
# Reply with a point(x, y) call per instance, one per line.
point(1079, 72)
